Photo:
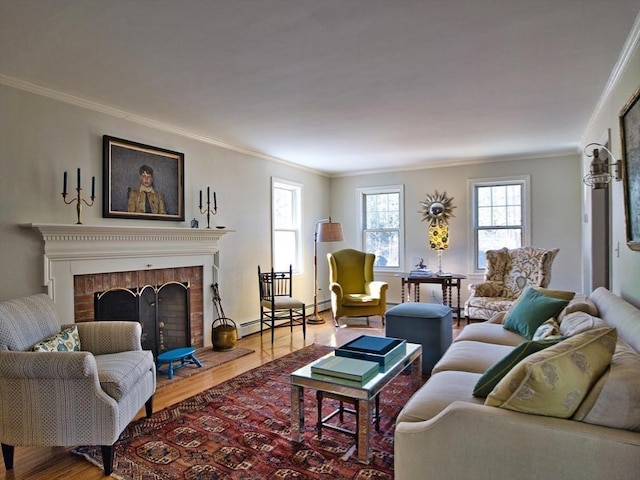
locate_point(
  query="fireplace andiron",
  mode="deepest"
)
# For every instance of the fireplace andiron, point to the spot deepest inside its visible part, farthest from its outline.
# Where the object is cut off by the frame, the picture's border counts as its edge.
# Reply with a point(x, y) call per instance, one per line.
point(224, 333)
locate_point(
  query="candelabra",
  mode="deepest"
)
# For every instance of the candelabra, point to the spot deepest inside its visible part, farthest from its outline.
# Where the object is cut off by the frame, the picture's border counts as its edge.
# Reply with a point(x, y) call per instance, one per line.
point(208, 211)
point(78, 200)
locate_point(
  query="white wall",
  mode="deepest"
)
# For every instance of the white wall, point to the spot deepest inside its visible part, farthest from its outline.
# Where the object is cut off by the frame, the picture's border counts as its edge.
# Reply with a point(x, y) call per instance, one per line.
point(555, 213)
point(41, 137)
point(625, 265)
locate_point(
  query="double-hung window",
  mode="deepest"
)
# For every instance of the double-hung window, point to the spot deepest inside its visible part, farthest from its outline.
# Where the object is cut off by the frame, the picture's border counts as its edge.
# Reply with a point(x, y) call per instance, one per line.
point(500, 215)
point(380, 216)
point(286, 206)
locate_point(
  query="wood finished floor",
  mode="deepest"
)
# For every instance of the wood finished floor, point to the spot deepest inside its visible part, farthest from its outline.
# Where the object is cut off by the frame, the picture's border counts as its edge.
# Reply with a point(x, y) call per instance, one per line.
point(47, 463)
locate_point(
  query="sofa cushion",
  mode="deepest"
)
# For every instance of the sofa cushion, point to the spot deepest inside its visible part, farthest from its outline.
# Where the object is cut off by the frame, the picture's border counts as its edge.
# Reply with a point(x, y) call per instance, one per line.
point(530, 311)
point(578, 322)
point(579, 303)
point(498, 370)
point(490, 333)
point(469, 356)
point(554, 381)
point(67, 340)
point(614, 401)
point(119, 372)
point(439, 392)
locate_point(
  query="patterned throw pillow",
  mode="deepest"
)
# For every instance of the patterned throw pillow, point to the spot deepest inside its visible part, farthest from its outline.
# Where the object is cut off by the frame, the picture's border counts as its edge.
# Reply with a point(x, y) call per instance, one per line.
point(554, 381)
point(548, 330)
point(578, 322)
point(67, 340)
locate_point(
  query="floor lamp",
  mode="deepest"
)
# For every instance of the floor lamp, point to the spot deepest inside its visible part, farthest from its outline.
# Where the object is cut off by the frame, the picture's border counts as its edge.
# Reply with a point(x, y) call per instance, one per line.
point(325, 231)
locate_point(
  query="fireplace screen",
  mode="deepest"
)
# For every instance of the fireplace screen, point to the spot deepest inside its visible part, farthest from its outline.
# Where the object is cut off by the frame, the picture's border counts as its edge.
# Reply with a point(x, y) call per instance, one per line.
point(163, 312)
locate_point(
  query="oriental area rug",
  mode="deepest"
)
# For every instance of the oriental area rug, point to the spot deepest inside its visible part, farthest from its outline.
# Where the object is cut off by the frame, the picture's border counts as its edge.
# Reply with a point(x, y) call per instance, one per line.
point(241, 429)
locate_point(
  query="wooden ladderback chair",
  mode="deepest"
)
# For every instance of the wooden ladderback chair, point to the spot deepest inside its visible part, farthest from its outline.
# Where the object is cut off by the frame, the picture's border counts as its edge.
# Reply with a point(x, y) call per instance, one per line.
point(278, 307)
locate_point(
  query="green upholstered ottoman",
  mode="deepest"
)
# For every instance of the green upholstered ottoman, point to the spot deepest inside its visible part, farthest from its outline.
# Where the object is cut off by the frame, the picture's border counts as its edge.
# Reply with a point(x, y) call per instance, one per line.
point(428, 324)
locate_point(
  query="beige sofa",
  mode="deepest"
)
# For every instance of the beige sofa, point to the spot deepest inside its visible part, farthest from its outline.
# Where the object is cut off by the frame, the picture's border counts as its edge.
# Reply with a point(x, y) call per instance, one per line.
point(444, 432)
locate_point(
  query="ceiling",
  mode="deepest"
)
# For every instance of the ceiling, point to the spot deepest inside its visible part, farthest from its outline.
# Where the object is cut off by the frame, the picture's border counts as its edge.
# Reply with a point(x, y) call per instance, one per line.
point(338, 86)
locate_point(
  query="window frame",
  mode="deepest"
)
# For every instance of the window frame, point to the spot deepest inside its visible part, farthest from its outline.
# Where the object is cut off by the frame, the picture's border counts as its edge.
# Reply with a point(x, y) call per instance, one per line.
point(524, 181)
point(295, 187)
point(361, 193)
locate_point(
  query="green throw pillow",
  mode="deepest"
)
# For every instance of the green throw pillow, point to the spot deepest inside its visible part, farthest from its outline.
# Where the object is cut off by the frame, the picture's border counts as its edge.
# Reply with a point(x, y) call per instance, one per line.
point(530, 311)
point(494, 373)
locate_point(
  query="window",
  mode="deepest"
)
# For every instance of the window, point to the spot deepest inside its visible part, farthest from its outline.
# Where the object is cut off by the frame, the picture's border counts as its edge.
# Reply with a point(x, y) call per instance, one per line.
point(500, 209)
point(380, 219)
point(286, 221)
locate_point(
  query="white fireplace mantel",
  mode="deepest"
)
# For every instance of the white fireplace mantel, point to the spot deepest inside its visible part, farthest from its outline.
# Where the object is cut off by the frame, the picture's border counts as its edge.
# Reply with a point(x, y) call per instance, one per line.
point(85, 249)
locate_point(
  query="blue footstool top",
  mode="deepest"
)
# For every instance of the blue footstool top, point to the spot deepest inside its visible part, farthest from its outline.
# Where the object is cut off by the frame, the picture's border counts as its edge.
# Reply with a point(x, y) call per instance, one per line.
point(419, 310)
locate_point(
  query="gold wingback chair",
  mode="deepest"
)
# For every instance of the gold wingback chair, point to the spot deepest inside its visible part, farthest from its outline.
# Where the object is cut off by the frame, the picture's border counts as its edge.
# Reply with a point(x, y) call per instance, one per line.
point(354, 292)
point(508, 273)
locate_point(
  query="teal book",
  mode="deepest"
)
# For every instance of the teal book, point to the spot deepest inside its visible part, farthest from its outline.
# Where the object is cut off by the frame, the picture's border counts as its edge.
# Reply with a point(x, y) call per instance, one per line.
point(345, 367)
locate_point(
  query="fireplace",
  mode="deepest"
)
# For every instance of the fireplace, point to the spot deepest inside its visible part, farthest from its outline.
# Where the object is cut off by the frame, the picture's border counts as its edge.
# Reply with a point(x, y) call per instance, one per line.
point(81, 260)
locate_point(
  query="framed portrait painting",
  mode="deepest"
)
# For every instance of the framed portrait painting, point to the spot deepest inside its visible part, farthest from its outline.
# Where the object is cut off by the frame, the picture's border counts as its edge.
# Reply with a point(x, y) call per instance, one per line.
point(141, 181)
point(630, 133)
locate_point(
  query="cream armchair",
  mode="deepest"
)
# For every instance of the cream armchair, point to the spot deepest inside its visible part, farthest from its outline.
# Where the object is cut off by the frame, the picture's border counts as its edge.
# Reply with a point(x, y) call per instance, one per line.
point(508, 273)
point(354, 293)
point(69, 398)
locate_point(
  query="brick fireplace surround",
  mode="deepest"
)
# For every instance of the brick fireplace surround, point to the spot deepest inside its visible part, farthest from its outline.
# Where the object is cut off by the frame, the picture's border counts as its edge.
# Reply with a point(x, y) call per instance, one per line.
point(84, 286)
point(82, 259)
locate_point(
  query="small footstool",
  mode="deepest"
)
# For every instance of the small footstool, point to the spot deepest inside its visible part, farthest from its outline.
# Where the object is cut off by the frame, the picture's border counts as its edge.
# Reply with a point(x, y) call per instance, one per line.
point(429, 324)
point(185, 355)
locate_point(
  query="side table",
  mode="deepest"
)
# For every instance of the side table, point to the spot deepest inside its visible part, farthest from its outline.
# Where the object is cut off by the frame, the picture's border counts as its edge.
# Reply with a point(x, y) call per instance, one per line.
point(446, 281)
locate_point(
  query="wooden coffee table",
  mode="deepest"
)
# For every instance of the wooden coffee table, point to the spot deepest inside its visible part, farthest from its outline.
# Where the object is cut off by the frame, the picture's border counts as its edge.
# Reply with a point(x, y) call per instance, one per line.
point(362, 396)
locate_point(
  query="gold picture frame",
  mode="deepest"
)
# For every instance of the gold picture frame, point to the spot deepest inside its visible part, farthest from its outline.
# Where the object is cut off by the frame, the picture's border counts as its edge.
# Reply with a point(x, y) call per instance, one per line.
point(141, 181)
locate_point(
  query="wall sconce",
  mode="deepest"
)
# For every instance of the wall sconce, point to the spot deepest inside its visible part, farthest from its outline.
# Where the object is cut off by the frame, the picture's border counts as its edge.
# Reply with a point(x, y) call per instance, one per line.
point(599, 175)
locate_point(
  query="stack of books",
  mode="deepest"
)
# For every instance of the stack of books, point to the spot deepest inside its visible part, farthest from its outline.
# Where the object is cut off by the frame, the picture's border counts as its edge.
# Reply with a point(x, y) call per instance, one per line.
point(382, 350)
point(422, 272)
point(346, 368)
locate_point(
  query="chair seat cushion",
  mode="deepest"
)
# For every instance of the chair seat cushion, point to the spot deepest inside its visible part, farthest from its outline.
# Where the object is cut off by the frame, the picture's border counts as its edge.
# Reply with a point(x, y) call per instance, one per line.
point(119, 372)
point(359, 299)
point(283, 303)
point(484, 308)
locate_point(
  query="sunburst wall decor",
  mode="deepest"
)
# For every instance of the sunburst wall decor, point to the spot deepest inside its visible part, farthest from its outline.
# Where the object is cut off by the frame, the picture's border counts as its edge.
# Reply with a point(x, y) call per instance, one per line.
point(437, 208)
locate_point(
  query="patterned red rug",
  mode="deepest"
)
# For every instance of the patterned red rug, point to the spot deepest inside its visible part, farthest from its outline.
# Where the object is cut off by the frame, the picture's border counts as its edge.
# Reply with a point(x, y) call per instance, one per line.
point(240, 429)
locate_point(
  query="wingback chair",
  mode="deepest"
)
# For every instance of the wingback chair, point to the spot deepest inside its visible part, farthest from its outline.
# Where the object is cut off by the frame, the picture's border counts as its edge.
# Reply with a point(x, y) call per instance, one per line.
point(354, 293)
point(508, 273)
point(68, 398)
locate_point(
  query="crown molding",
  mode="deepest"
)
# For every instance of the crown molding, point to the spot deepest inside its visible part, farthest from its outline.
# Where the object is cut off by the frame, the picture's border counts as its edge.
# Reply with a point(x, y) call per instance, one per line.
point(633, 42)
point(148, 122)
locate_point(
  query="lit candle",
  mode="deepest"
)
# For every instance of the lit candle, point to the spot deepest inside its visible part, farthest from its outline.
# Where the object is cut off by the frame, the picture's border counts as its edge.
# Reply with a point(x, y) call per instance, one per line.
point(93, 187)
point(64, 184)
point(200, 199)
point(209, 195)
point(215, 202)
point(78, 178)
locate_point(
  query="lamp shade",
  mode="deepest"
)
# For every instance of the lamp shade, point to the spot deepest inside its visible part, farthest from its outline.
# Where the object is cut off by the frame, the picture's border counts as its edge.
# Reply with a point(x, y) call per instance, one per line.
point(439, 236)
point(330, 232)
